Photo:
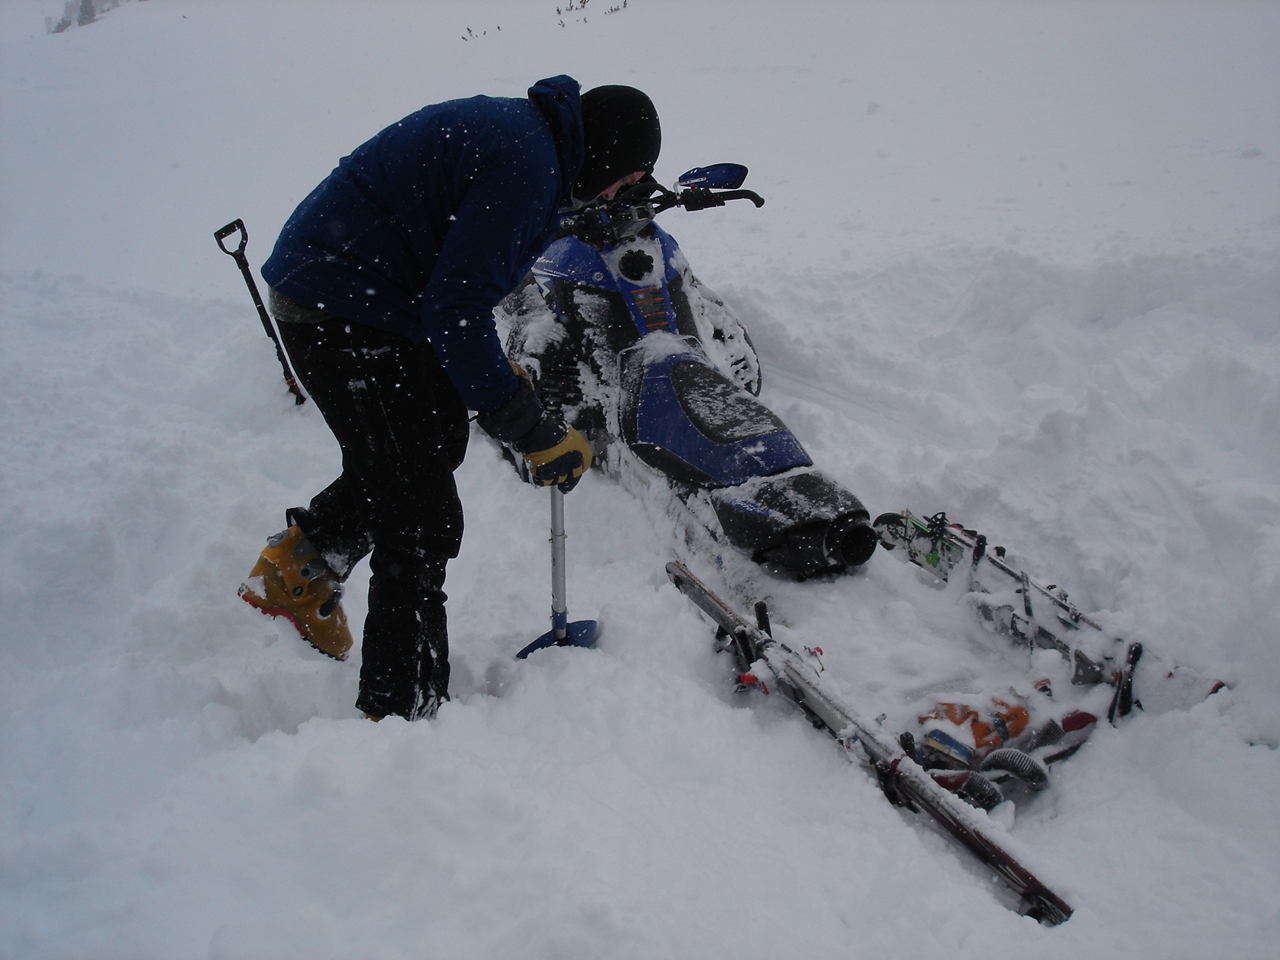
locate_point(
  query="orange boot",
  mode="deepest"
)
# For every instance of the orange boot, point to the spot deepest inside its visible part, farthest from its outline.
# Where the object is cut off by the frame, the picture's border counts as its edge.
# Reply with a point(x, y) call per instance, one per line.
point(292, 580)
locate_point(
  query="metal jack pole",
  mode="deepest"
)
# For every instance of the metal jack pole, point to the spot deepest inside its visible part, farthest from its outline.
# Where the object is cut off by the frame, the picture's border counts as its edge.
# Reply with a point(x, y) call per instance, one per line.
point(580, 633)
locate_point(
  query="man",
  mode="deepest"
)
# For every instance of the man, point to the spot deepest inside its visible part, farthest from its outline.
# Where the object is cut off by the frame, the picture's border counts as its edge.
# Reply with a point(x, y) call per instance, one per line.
point(383, 283)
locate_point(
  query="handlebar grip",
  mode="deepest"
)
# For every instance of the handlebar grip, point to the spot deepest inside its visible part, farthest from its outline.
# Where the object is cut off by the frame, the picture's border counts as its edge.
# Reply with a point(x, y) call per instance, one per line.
point(702, 199)
point(744, 195)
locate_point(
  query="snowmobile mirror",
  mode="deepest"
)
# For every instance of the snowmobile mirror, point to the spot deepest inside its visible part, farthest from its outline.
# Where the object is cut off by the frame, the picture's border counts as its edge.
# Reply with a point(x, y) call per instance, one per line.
point(718, 176)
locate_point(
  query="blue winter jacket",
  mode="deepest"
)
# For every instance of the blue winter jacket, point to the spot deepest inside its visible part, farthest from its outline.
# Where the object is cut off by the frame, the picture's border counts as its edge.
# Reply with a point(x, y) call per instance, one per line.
point(424, 228)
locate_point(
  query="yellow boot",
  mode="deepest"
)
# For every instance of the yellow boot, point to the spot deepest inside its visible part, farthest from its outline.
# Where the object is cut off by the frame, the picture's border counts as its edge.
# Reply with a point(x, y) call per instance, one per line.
point(292, 580)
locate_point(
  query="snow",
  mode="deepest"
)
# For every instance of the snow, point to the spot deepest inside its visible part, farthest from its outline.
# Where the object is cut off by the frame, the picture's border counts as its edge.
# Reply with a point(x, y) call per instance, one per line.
point(1018, 261)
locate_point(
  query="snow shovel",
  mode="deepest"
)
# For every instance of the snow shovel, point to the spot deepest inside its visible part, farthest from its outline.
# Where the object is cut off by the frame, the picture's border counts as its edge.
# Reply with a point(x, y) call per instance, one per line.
point(580, 633)
point(221, 234)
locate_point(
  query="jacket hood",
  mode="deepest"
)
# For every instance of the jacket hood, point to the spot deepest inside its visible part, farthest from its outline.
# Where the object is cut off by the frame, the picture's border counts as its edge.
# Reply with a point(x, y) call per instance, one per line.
point(560, 102)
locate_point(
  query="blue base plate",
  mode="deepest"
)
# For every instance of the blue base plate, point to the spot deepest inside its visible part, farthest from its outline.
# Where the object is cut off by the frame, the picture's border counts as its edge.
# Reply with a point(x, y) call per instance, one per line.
point(580, 633)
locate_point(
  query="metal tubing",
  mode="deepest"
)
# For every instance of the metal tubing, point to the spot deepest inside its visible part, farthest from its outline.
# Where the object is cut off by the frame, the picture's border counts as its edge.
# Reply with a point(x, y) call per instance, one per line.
point(559, 602)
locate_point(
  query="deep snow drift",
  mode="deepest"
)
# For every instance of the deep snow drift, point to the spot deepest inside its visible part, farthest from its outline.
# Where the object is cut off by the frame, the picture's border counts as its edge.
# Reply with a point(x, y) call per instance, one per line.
point(1018, 262)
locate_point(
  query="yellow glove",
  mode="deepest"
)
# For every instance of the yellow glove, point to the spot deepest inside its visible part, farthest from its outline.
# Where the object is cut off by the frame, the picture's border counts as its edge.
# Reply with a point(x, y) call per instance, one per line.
point(553, 452)
point(562, 463)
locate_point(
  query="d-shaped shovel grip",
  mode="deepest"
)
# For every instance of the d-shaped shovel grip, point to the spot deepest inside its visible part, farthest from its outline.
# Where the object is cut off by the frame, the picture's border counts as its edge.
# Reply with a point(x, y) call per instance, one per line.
point(235, 226)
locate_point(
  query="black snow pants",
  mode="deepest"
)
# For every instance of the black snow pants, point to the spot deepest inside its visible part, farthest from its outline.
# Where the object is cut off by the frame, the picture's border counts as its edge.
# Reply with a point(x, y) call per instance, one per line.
point(403, 430)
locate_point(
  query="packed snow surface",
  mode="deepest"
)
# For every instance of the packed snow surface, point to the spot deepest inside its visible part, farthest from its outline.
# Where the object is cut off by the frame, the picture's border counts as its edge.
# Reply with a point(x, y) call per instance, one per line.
point(1018, 262)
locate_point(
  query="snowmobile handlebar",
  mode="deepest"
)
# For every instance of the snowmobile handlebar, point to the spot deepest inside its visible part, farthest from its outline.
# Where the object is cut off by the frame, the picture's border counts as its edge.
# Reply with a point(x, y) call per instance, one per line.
point(607, 221)
point(640, 197)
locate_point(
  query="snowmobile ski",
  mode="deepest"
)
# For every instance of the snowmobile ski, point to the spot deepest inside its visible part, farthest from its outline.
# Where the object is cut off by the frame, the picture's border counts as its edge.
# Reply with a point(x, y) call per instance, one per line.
point(1041, 616)
point(771, 664)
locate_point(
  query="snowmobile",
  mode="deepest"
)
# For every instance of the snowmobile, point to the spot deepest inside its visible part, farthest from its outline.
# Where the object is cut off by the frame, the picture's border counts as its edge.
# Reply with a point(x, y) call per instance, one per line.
point(662, 378)
point(660, 375)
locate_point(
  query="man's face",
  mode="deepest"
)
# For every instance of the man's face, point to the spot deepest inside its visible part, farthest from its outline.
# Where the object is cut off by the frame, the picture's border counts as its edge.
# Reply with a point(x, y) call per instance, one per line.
point(608, 192)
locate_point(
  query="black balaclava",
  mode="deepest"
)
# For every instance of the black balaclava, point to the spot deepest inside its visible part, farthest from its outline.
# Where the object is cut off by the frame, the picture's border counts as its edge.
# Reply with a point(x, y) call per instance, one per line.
point(621, 135)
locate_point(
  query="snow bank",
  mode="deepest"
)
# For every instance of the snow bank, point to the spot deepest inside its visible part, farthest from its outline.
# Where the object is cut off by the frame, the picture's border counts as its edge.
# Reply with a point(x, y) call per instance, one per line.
point(1018, 263)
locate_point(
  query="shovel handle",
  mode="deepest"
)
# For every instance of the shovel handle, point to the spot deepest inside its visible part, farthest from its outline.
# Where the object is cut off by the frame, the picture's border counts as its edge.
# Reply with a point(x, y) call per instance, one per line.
point(235, 226)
